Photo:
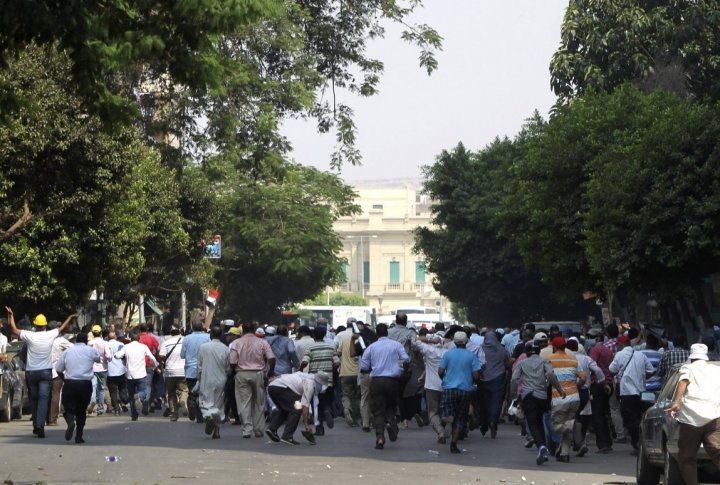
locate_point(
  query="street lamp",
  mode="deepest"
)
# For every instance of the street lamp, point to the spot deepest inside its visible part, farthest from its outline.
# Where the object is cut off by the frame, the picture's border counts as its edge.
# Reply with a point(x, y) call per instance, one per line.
point(362, 255)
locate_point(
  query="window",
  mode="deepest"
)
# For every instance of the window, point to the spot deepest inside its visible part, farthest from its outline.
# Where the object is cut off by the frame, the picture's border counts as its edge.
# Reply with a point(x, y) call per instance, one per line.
point(377, 207)
point(344, 273)
point(366, 272)
point(420, 272)
point(394, 272)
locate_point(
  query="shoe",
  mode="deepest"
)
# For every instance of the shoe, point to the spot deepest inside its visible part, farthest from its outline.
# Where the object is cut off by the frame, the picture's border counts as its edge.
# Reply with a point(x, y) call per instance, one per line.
point(258, 433)
point(379, 444)
point(173, 419)
point(166, 413)
point(191, 414)
point(403, 424)
point(563, 458)
point(366, 429)
point(272, 435)
point(529, 443)
point(79, 440)
point(69, 431)
point(41, 432)
point(308, 436)
point(483, 430)
point(582, 451)
point(542, 456)
point(392, 432)
point(133, 418)
point(604, 451)
point(454, 449)
point(441, 440)
point(145, 408)
point(209, 425)
point(100, 412)
point(329, 420)
point(290, 441)
point(319, 431)
point(35, 430)
point(247, 435)
point(419, 420)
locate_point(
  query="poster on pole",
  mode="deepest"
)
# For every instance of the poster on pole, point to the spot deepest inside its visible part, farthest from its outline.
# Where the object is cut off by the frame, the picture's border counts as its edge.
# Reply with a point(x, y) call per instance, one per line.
point(213, 250)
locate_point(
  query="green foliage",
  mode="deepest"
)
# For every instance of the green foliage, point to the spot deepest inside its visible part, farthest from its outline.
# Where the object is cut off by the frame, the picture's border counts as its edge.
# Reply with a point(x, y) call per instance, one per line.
point(474, 266)
point(281, 246)
point(78, 204)
point(665, 44)
point(338, 298)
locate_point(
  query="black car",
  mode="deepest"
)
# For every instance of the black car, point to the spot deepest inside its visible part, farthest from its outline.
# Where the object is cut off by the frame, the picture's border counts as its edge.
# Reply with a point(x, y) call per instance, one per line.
point(659, 441)
point(13, 392)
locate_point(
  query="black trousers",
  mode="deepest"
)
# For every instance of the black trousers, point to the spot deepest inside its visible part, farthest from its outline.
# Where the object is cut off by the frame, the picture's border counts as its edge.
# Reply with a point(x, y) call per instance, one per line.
point(534, 410)
point(384, 393)
point(325, 402)
point(76, 397)
point(284, 399)
point(600, 410)
point(117, 385)
point(631, 409)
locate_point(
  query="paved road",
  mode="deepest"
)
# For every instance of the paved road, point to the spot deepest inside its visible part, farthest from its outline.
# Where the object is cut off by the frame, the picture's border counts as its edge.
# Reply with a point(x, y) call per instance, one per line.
point(153, 450)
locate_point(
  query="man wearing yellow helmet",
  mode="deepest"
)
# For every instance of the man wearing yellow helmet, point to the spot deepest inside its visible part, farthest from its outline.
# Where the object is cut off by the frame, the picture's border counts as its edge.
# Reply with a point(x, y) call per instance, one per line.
point(38, 368)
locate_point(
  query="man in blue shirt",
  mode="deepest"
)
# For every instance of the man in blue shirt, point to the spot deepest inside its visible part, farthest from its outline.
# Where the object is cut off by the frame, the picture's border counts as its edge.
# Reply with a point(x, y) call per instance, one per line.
point(458, 369)
point(77, 365)
point(189, 351)
point(385, 361)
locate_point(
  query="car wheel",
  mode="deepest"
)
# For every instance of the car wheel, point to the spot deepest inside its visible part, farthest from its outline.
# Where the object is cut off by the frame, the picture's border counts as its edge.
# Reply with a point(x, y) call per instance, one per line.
point(672, 470)
point(7, 409)
point(645, 472)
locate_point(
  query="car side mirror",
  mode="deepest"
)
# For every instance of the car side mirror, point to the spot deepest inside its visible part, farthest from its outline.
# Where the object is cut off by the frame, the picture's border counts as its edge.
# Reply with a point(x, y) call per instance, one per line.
point(648, 397)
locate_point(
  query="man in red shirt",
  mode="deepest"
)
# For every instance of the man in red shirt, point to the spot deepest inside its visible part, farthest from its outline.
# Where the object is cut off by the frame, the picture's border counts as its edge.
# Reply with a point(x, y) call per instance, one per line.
point(152, 343)
point(602, 391)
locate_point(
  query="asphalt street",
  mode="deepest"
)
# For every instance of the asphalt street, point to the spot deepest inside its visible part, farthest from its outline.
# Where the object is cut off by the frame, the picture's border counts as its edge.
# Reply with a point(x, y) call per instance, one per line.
point(153, 450)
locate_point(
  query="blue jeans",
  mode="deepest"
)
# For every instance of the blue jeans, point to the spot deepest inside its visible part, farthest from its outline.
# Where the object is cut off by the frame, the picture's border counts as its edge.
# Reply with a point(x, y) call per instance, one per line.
point(39, 387)
point(139, 387)
point(100, 382)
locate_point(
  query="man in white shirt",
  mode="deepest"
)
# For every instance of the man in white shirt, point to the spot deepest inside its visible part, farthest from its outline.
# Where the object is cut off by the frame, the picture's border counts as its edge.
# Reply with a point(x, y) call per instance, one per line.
point(632, 368)
point(100, 369)
point(135, 353)
point(38, 367)
point(76, 363)
point(697, 409)
point(432, 352)
point(117, 382)
point(174, 372)
point(293, 395)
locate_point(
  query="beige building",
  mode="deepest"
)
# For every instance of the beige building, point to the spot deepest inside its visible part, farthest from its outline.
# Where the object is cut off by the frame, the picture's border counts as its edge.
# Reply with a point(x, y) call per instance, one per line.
point(378, 243)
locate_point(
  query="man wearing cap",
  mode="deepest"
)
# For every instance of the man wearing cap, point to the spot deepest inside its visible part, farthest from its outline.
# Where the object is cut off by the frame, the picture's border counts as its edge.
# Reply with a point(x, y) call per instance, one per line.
point(458, 369)
point(77, 363)
point(100, 369)
point(564, 405)
point(293, 395)
point(384, 360)
point(697, 408)
point(38, 367)
point(530, 379)
point(632, 368)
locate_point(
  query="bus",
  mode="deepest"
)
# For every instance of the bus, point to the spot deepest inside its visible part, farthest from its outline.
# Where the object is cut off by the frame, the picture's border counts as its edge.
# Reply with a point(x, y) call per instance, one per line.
point(411, 310)
point(335, 315)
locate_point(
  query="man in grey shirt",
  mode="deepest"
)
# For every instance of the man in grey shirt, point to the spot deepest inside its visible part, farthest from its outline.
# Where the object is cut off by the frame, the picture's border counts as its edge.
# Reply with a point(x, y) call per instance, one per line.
point(533, 375)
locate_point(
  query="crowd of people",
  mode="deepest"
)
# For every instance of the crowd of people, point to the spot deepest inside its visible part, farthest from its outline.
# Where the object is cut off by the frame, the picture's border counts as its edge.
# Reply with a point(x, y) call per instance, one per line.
point(556, 386)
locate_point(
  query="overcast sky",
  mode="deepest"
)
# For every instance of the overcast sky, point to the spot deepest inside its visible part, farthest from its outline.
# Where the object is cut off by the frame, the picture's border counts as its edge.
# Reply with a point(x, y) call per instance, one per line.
point(493, 72)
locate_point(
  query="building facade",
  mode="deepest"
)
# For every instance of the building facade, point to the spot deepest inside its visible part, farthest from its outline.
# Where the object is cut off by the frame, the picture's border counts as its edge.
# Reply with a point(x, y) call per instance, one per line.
point(378, 243)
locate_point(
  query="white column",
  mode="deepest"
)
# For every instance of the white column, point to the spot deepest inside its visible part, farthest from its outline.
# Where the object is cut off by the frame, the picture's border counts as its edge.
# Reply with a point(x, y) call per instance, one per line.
point(183, 310)
point(141, 307)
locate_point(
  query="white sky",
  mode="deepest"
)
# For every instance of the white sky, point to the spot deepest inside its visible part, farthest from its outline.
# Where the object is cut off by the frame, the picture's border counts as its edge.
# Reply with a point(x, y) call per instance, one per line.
point(493, 72)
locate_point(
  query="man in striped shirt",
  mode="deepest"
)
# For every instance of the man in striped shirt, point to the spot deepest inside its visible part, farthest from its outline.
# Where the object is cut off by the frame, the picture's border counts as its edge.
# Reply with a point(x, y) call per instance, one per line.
point(564, 405)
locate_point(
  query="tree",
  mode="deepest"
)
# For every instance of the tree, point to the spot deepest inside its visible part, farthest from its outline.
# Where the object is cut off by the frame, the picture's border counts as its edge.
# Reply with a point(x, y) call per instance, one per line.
point(474, 266)
point(77, 201)
point(654, 43)
point(281, 246)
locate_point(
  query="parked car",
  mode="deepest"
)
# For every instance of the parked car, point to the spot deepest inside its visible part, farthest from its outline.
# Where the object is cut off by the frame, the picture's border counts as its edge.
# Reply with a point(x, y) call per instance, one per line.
point(659, 441)
point(13, 391)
